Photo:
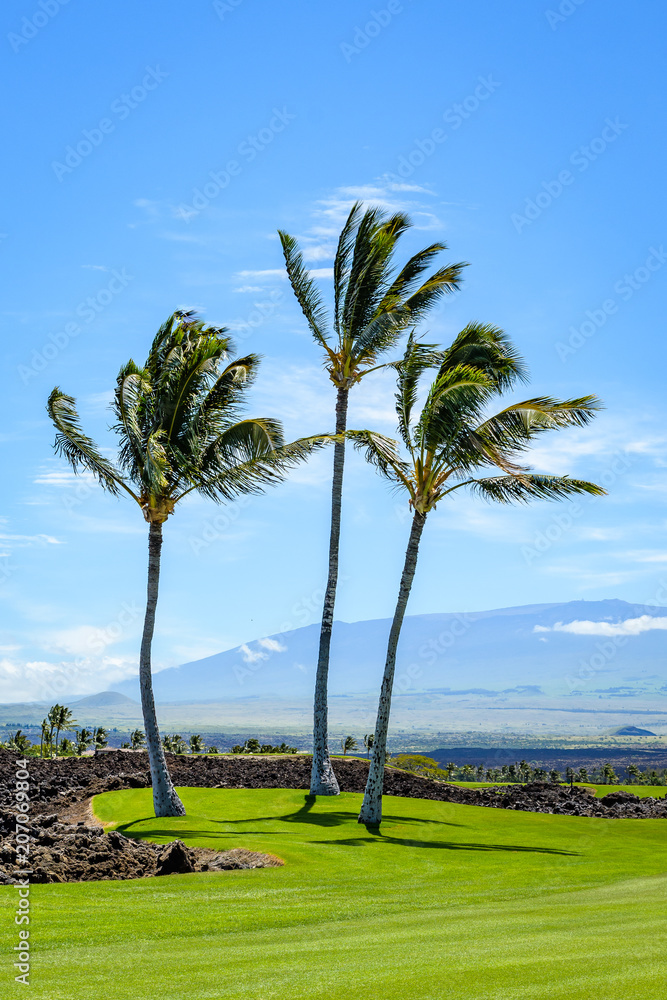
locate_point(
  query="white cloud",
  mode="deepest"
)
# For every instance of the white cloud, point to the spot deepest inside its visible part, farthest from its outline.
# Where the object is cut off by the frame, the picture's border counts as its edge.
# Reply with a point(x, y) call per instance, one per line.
point(321, 272)
point(62, 477)
point(631, 626)
point(269, 272)
point(318, 252)
point(252, 656)
point(248, 288)
point(40, 680)
point(272, 645)
point(22, 540)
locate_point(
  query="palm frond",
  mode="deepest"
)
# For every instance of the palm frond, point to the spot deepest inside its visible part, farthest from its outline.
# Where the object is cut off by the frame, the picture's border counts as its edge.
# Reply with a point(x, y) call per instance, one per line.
point(307, 293)
point(455, 399)
point(372, 249)
point(418, 357)
point(514, 427)
point(263, 468)
point(409, 274)
point(488, 348)
point(382, 453)
point(129, 405)
point(341, 266)
point(446, 279)
point(382, 333)
point(77, 448)
point(523, 489)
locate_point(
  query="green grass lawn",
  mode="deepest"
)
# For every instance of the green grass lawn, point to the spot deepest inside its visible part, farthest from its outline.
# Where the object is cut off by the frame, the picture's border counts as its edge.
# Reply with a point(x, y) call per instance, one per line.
point(447, 901)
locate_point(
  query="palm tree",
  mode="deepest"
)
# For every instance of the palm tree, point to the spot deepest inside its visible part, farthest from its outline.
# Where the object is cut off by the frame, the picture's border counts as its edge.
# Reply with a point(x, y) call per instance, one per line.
point(60, 718)
point(137, 740)
point(197, 744)
point(450, 768)
point(100, 737)
point(19, 742)
point(452, 446)
point(349, 743)
point(369, 739)
point(84, 740)
point(45, 739)
point(373, 305)
point(177, 418)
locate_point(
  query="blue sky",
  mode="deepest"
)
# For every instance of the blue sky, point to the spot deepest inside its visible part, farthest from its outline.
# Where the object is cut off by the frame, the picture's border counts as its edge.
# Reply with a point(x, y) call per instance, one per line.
point(153, 149)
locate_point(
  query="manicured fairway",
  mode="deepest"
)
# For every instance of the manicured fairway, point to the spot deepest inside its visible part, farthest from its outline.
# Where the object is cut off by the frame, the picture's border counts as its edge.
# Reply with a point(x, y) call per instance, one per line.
point(448, 901)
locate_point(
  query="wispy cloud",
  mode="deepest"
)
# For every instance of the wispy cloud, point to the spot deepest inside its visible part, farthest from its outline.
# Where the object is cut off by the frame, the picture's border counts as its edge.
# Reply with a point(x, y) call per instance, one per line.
point(269, 272)
point(631, 626)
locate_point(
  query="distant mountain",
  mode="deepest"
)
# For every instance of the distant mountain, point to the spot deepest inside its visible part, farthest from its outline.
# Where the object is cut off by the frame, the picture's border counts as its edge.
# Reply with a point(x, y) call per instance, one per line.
point(107, 699)
point(536, 654)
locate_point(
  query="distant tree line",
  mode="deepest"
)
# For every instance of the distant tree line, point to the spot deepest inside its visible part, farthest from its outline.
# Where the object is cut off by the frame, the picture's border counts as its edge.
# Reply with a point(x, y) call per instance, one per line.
point(521, 772)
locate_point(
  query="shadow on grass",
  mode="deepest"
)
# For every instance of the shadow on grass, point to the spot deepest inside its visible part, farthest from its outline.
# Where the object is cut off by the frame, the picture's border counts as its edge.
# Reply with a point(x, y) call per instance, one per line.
point(442, 845)
point(302, 815)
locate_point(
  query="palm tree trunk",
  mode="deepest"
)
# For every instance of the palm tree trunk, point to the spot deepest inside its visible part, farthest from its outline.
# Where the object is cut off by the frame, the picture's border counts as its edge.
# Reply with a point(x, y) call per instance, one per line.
point(165, 800)
point(371, 807)
point(322, 779)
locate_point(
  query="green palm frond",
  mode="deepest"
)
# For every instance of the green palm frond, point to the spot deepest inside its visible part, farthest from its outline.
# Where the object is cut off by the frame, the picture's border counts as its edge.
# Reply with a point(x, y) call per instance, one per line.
point(381, 452)
point(446, 279)
point(418, 357)
point(266, 467)
point(450, 444)
point(488, 348)
point(408, 276)
point(342, 260)
point(77, 449)
point(382, 333)
point(132, 387)
point(524, 488)
point(307, 293)
point(376, 238)
point(516, 425)
point(455, 399)
point(224, 400)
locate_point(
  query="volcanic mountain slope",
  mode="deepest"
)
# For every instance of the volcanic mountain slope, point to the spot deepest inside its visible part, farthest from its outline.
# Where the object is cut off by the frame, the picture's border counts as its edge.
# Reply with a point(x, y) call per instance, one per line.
point(602, 649)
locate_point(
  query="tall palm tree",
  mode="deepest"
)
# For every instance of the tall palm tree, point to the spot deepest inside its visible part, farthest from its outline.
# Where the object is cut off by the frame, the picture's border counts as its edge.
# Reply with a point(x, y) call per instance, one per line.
point(373, 304)
point(60, 718)
point(177, 418)
point(453, 446)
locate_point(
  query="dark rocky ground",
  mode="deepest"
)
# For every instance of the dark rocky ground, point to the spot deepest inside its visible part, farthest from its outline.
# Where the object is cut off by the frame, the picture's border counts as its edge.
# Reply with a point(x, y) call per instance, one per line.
point(591, 758)
point(66, 846)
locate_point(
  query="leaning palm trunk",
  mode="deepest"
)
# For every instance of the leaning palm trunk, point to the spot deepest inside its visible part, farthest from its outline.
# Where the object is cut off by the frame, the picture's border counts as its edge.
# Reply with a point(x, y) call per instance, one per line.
point(323, 780)
point(371, 807)
point(165, 800)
